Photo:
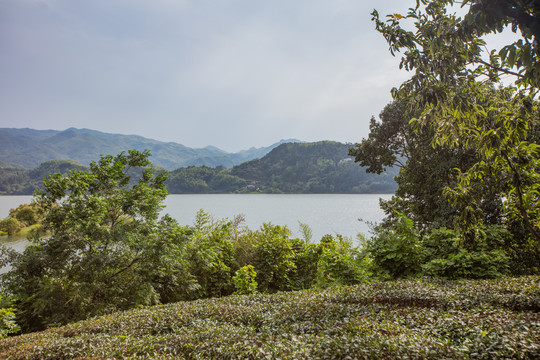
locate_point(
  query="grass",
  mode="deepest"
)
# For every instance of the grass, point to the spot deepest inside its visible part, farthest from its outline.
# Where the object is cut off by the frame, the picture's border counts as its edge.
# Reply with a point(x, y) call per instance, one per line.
point(25, 232)
point(401, 319)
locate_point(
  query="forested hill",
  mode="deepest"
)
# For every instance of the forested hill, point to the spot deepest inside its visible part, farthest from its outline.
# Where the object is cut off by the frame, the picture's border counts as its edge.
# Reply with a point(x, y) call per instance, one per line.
point(29, 148)
point(16, 180)
point(321, 167)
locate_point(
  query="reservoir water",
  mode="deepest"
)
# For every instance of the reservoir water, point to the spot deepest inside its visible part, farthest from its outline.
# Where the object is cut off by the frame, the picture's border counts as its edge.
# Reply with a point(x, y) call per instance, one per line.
point(324, 213)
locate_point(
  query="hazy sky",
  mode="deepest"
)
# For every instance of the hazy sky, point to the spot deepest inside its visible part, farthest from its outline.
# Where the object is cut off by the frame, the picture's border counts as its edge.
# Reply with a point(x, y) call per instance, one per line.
point(228, 73)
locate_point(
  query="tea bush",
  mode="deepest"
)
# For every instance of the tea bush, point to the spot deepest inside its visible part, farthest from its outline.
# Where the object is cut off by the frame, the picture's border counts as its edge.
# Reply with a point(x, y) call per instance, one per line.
point(416, 319)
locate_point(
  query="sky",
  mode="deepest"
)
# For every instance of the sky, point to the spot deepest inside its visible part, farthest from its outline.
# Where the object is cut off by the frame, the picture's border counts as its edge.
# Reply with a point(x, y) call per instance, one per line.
point(227, 73)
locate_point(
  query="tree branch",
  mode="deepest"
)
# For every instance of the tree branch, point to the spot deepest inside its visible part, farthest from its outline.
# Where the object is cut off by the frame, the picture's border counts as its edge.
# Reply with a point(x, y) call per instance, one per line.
point(124, 269)
point(506, 71)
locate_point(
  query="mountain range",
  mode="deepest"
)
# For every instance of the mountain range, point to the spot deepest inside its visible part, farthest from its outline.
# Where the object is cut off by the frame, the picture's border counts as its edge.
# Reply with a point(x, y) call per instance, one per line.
point(29, 148)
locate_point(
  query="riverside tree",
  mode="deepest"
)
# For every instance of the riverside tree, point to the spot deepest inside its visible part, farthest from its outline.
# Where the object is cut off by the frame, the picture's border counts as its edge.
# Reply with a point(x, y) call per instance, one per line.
point(455, 85)
point(107, 248)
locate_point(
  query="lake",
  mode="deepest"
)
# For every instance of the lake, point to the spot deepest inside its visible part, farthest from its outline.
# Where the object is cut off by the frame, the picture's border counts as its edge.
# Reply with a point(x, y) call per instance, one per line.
point(324, 213)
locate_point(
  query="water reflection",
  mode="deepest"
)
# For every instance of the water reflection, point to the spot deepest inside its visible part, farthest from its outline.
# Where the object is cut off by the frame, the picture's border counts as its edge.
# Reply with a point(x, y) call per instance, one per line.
point(18, 243)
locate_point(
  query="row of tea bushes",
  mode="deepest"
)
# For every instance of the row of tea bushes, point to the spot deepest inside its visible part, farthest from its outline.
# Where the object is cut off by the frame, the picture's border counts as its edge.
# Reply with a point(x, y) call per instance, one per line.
point(409, 319)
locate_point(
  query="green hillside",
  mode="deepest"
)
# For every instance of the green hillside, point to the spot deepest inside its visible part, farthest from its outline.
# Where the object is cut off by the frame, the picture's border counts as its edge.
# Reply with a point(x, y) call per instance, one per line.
point(16, 180)
point(203, 179)
point(320, 167)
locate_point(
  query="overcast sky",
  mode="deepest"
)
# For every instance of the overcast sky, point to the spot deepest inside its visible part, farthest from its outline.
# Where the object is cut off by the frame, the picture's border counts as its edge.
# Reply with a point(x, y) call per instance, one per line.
point(228, 73)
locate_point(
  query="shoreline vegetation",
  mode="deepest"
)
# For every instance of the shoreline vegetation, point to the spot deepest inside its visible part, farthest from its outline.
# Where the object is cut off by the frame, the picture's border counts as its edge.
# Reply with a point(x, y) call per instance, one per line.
point(24, 232)
point(23, 221)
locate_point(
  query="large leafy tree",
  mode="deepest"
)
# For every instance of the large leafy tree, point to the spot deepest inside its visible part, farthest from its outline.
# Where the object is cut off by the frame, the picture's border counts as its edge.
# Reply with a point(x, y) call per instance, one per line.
point(425, 170)
point(107, 248)
point(454, 82)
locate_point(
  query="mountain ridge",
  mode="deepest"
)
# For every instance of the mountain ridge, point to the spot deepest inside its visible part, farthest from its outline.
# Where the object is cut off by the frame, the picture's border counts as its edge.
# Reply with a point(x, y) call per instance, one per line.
point(30, 147)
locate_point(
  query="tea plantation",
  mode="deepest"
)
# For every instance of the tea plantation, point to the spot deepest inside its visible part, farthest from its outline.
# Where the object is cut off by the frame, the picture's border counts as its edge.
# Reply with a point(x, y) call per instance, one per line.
point(425, 318)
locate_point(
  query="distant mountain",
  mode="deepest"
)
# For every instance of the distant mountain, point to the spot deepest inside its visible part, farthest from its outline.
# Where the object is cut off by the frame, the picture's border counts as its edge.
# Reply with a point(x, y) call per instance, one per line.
point(29, 148)
point(321, 167)
point(255, 153)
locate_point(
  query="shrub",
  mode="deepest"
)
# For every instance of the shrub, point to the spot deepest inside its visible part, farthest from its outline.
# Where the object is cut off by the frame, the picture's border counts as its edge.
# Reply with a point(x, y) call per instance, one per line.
point(210, 255)
point(27, 214)
point(274, 258)
point(10, 225)
point(306, 259)
point(8, 325)
point(445, 258)
point(396, 251)
point(340, 263)
point(244, 281)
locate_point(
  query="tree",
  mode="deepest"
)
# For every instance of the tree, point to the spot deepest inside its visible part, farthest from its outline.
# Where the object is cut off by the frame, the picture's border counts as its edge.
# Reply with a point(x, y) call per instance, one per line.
point(107, 250)
point(10, 225)
point(27, 214)
point(425, 170)
point(454, 83)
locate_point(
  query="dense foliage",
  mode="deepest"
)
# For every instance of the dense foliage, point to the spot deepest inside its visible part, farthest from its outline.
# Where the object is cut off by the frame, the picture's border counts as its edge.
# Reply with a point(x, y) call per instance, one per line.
point(419, 319)
point(399, 251)
point(425, 170)
point(103, 239)
point(108, 250)
point(15, 180)
point(467, 147)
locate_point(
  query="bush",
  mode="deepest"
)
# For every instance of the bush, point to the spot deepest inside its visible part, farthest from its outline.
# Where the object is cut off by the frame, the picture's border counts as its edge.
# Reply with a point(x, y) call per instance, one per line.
point(340, 263)
point(306, 259)
point(244, 281)
point(27, 214)
point(274, 258)
point(10, 226)
point(396, 251)
point(8, 325)
point(210, 255)
point(445, 258)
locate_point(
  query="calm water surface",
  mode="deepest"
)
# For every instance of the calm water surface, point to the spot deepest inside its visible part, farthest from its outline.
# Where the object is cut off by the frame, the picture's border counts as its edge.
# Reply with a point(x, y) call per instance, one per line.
point(325, 213)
